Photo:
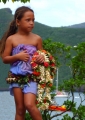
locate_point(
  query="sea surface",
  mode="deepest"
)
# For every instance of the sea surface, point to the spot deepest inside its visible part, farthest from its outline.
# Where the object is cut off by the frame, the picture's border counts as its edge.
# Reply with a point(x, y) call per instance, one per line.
point(7, 105)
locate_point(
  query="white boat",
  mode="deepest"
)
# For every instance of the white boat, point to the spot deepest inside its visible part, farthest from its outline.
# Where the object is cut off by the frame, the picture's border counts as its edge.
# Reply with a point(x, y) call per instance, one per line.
point(59, 93)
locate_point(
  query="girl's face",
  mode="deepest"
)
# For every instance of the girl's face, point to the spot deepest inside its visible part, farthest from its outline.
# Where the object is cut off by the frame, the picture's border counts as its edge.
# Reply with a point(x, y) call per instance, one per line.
point(26, 23)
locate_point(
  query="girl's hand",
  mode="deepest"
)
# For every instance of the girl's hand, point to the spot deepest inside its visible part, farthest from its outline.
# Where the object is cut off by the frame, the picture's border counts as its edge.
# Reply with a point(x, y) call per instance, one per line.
point(40, 58)
point(24, 56)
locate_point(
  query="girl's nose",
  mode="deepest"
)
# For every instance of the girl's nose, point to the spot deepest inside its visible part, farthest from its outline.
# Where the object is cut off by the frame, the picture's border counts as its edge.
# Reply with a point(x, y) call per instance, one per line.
point(32, 22)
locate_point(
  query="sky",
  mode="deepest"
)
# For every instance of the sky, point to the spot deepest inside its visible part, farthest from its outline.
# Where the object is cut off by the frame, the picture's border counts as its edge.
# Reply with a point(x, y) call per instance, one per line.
point(54, 13)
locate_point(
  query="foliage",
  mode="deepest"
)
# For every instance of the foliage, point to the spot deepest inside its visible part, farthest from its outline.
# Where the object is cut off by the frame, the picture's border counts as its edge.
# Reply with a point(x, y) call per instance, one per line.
point(24, 1)
point(27, 116)
point(76, 65)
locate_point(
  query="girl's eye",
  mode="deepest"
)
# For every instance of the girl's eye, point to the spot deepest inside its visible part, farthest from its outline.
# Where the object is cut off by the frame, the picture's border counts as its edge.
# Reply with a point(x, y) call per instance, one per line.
point(33, 20)
point(29, 20)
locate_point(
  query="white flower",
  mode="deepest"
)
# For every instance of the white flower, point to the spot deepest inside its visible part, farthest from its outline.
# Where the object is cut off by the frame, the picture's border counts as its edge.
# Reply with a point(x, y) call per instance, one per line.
point(44, 106)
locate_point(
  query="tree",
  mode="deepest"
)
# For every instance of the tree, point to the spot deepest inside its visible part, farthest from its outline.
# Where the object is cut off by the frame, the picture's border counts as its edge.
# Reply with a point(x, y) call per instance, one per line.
point(76, 64)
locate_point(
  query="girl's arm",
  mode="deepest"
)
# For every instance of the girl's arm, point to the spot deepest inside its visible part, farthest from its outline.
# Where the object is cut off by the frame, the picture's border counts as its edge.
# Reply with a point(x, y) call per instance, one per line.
point(7, 52)
point(8, 59)
point(39, 43)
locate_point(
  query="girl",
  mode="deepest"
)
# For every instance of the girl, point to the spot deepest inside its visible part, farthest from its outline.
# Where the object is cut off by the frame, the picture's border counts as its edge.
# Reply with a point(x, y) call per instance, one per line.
point(17, 47)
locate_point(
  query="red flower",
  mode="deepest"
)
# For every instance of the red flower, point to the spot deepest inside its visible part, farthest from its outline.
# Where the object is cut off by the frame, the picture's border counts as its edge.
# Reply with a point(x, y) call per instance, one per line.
point(34, 65)
point(36, 102)
point(44, 51)
point(46, 64)
point(51, 57)
point(33, 58)
point(43, 85)
point(44, 100)
point(36, 53)
point(50, 85)
point(36, 73)
point(53, 64)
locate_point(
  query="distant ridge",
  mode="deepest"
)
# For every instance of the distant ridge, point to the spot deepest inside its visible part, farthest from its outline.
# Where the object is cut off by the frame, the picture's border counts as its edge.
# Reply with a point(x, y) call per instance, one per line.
point(81, 25)
point(8, 12)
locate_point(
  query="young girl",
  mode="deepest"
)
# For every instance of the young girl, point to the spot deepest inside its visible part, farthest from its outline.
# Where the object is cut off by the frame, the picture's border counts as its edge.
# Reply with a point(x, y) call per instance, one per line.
point(17, 47)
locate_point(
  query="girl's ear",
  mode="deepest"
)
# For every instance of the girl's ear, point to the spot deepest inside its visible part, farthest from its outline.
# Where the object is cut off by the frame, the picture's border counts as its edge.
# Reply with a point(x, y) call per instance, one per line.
point(17, 22)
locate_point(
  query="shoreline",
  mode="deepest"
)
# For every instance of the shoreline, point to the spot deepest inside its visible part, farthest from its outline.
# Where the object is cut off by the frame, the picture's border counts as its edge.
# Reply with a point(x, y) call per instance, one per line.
point(4, 89)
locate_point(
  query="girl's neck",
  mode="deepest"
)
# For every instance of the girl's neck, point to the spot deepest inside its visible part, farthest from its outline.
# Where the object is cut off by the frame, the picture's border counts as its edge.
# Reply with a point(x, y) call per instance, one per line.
point(23, 33)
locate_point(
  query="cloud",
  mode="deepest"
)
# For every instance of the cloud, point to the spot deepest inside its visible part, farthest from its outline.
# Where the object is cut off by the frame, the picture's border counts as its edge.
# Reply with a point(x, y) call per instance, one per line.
point(13, 6)
point(54, 12)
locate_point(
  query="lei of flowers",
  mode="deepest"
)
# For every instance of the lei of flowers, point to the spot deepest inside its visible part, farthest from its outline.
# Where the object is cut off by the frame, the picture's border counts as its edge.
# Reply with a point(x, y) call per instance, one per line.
point(43, 74)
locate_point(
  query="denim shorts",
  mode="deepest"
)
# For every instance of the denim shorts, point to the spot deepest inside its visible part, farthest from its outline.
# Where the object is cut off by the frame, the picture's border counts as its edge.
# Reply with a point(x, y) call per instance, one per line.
point(32, 88)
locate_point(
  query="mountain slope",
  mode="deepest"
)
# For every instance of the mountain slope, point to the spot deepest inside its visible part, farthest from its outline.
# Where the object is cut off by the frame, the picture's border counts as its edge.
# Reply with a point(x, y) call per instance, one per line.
point(5, 19)
point(81, 25)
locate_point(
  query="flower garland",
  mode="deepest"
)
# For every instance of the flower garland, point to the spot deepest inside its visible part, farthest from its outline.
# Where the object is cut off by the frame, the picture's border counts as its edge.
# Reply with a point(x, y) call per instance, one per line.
point(44, 75)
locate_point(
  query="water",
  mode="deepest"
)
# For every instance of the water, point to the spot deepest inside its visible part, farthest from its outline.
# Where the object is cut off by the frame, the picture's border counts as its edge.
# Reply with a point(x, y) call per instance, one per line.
point(7, 105)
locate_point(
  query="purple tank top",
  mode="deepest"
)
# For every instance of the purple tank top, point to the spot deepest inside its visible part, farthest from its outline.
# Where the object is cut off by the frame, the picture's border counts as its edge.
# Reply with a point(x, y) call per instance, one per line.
point(21, 67)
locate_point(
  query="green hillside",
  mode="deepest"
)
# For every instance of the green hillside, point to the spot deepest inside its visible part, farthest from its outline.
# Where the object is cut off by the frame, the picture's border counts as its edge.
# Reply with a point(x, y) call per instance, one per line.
point(5, 18)
point(66, 35)
point(81, 25)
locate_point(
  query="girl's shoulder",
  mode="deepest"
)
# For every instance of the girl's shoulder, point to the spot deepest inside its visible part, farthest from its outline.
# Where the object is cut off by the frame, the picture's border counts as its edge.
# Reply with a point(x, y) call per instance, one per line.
point(38, 41)
point(10, 39)
point(36, 36)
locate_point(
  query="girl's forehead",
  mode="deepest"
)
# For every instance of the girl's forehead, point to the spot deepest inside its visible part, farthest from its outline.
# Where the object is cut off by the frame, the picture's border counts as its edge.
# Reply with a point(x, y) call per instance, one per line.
point(28, 14)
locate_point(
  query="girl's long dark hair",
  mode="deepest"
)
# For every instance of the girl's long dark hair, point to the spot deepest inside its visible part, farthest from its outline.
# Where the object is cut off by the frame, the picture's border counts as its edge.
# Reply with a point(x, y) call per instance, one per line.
point(13, 27)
